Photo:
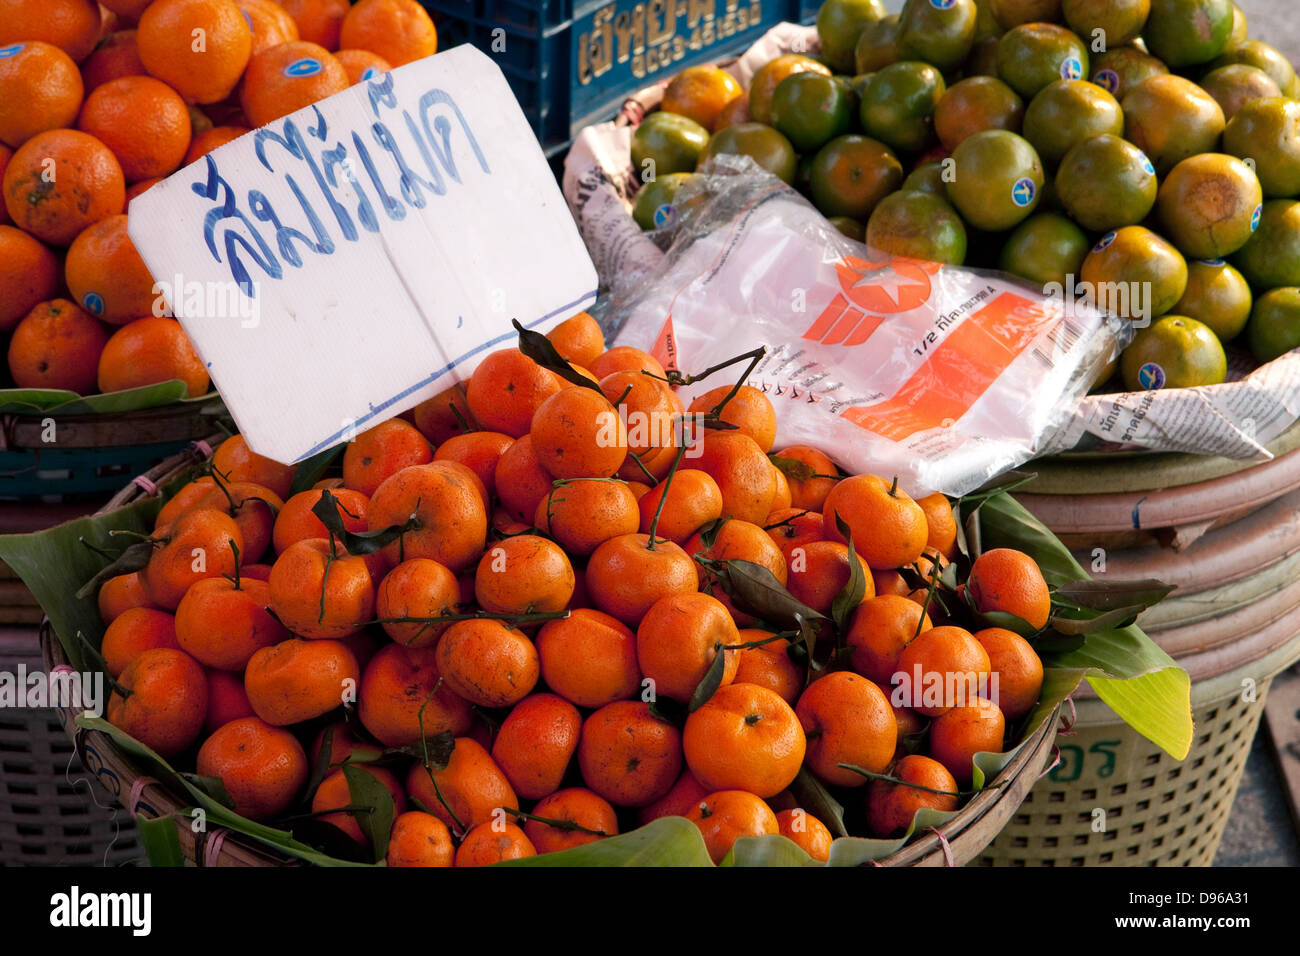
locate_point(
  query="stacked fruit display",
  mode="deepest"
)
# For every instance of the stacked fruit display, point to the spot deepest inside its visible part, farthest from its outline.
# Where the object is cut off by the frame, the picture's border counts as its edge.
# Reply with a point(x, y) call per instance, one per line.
point(98, 106)
point(1141, 154)
point(526, 620)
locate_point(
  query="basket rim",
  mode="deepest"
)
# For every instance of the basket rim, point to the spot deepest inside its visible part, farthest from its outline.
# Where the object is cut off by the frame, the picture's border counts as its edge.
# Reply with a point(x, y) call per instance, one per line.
point(997, 801)
point(23, 433)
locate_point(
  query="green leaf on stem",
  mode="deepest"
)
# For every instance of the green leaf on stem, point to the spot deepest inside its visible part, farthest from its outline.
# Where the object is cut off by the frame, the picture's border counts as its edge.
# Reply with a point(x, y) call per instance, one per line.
point(711, 680)
point(438, 749)
point(709, 533)
point(1007, 620)
point(793, 468)
point(355, 543)
point(855, 589)
point(134, 558)
point(810, 794)
point(756, 590)
point(1118, 617)
point(1110, 595)
point(320, 766)
point(542, 351)
point(366, 790)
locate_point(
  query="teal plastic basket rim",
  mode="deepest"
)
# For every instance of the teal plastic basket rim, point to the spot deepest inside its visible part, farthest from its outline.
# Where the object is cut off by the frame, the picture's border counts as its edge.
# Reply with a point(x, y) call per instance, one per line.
point(92, 471)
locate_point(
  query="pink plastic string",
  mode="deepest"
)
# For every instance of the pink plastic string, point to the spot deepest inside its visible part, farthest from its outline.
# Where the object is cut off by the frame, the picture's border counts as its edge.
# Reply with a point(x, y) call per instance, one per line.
point(1067, 723)
point(633, 111)
point(1056, 762)
point(212, 846)
point(145, 484)
point(947, 850)
point(204, 448)
point(137, 790)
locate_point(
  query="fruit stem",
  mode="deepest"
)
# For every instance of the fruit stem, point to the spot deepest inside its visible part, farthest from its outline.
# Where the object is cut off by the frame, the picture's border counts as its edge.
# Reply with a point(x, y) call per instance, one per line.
point(668, 481)
point(460, 417)
point(235, 548)
point(903, 783)
point(750, 645)
point(773, 527)
point(755, 357)
point(134, 534)
point(220, 482)
point(644, 470)
point(459, 828)
point(929, 595)
point(676, 378)
point(531, 617)
point(569, 825)
point(102, 552)
point(893, 488)
point(325, 578)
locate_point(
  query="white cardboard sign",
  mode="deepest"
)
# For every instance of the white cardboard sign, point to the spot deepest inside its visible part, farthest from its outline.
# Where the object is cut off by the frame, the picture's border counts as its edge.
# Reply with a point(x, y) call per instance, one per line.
point(354, 258)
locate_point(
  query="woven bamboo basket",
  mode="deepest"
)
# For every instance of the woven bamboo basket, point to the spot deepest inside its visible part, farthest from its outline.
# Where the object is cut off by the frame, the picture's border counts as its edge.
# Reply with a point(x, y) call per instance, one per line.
point(1227, 533)
point(956, 843)
point(52, 813)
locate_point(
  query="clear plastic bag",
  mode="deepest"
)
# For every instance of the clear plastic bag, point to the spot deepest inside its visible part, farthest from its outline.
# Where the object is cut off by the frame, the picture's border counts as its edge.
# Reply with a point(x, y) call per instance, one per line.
point(943, 376)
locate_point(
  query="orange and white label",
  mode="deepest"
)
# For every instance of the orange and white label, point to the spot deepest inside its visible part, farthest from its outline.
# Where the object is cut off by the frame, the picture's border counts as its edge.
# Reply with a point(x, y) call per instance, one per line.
point(959, 371)
point(942, 375)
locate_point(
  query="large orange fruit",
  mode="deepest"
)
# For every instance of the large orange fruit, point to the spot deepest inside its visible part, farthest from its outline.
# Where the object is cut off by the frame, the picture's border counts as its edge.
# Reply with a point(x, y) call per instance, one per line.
point(197, 47)
point(61, 181)
point(40, 89)
point(744, 737)
point(106, 275)
point(288, 77)
point(143, 121)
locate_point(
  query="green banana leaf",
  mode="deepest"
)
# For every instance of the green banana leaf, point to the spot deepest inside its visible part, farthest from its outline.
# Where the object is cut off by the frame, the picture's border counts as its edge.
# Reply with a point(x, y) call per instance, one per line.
point(31, 401)
point(1128, 670)
point(161, 843)
point(668, 841)
point(56, 562)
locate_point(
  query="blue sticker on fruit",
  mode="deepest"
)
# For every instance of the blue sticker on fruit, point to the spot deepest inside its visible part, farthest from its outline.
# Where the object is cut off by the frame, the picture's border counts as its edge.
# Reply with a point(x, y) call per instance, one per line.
point(943, 4)
point(1107, 79)
point(1147, 165)
point(307, 66)
point(1210, 262)
point(1151, 376)
point(665, 216)
point(1254, 217)
point(1022, 193)
point(1071, 68)
point(1104, 241)
point(11, 50)
point(94, 303)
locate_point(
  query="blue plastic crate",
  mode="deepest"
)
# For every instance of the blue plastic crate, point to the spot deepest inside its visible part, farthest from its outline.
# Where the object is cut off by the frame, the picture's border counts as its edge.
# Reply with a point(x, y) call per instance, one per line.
point(573, 62)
